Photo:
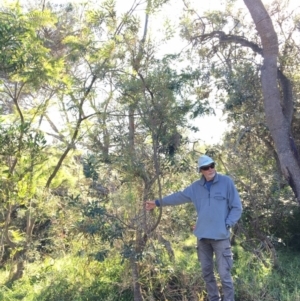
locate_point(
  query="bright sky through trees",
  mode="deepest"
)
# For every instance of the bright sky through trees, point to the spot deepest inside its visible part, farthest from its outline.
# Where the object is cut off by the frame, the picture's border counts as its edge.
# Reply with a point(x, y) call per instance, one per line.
point(211, 127)
point(214, 125)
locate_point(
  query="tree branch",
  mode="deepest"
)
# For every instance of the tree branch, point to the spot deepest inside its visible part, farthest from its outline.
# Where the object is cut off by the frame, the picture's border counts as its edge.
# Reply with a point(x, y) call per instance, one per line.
point(287, 104)
point(228, 38)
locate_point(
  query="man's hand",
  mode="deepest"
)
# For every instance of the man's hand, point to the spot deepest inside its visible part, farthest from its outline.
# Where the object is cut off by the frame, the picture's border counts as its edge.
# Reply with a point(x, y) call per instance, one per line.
point(150, 205)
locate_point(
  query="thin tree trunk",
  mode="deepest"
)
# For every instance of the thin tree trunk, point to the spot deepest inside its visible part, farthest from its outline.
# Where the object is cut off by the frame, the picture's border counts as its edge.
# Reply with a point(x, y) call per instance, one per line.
point(137, 291)
point(131, 130)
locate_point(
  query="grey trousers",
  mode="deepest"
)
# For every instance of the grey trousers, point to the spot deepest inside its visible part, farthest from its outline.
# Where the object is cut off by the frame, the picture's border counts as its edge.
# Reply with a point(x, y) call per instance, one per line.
point(206, 248)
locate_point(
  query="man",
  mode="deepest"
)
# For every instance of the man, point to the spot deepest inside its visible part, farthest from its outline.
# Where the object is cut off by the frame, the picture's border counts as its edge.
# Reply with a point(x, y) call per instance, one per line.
point(218, 208)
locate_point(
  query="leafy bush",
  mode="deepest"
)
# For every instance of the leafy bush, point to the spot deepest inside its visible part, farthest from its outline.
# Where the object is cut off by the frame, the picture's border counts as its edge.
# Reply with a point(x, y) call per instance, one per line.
point(254, 280)
point(71, 279)
point(80, 277)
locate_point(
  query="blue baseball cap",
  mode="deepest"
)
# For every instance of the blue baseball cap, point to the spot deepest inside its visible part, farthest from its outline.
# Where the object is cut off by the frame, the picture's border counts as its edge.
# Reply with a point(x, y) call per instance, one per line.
point(204, 161)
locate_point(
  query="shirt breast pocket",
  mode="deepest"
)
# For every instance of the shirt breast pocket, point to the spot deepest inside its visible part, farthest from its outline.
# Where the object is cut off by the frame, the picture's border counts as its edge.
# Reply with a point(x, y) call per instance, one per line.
point(220, 198)
point(220, 201)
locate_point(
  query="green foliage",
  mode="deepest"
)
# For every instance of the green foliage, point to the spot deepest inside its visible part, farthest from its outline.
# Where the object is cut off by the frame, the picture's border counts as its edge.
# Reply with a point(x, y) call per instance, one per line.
point(95, 222)
point(81, 277)
point(71, 278)
point(24, 57)
point(16, 137)
point(254, 281)
point(238, 93)
point(90, 166)
point(287, 231)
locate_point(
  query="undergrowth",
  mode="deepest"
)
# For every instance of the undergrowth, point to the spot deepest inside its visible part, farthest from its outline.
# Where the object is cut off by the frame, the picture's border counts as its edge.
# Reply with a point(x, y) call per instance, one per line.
point(81, 278)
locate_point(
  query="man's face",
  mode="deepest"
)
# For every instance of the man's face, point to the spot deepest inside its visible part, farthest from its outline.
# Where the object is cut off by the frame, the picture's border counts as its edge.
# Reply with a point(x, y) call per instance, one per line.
point(208, 171)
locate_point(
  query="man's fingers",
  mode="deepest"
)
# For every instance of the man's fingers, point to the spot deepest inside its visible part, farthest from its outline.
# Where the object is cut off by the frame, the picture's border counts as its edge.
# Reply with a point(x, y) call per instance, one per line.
point(150, 205)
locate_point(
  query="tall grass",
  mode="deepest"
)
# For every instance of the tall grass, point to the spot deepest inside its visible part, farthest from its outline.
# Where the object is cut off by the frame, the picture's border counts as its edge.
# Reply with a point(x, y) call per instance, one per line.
point(71, 278)
point(256, 279)
point(81, 278)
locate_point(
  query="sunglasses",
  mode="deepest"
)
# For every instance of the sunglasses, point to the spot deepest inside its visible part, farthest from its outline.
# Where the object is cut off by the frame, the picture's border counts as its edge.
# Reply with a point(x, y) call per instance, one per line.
point(212, 166)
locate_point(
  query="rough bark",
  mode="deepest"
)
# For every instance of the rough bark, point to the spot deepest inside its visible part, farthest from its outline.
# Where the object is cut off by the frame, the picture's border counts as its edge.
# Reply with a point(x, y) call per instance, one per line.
point(276, 120)
point(137, 291)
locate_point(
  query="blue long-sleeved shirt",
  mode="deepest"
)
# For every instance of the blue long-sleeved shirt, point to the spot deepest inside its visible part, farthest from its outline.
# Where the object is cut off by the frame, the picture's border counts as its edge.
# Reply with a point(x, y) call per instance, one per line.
point(216, 208)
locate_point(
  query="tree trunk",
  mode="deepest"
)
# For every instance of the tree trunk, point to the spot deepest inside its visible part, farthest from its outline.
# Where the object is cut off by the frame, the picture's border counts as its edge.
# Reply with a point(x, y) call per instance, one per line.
point(131, 130)
point(277, 122)
point(17, 269)
point(137, 291)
